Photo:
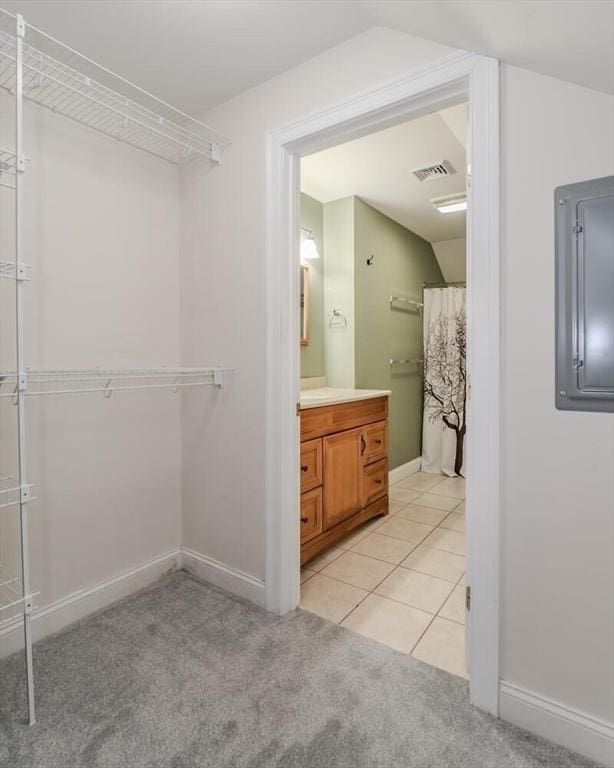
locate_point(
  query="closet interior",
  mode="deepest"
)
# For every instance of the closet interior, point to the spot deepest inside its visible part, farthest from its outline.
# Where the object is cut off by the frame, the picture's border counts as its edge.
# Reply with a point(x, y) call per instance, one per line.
point(36, 67)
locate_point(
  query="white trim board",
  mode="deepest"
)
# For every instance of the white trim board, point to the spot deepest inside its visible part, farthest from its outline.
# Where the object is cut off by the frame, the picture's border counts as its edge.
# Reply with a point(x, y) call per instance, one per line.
point(57, 615)
point(229, 579)
point(582, 733)
point(456, 78)
point(404, 470)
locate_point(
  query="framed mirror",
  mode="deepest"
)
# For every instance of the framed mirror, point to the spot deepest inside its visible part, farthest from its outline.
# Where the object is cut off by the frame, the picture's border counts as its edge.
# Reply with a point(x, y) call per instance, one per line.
point(305, 305)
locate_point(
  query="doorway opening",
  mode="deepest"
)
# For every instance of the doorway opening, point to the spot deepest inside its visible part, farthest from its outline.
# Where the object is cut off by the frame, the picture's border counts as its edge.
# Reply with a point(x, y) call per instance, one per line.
point(461, 77)
point(384, 385)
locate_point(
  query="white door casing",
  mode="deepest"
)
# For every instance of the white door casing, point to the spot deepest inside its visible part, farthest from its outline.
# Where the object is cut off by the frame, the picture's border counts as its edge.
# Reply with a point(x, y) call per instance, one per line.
point(459, 77)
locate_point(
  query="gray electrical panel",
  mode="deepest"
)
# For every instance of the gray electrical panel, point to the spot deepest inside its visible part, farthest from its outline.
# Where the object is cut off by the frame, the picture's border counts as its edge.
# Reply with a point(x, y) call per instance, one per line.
point(584, 222)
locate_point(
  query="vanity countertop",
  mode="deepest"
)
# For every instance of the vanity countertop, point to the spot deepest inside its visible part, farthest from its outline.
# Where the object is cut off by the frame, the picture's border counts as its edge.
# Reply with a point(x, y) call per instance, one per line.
point(314, 398)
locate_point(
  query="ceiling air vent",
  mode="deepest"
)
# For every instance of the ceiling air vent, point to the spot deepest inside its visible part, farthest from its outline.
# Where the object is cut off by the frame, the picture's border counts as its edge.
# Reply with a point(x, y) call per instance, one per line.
point(435, 171)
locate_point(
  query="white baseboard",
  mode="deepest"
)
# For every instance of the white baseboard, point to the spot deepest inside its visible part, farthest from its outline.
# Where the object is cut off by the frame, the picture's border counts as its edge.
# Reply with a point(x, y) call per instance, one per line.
point(556, 722)
point(233, 581)
point(59, 614)
point(405, 470)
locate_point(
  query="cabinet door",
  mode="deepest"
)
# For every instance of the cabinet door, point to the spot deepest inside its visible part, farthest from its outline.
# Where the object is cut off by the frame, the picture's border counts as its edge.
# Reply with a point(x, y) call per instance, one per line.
point(343, 477)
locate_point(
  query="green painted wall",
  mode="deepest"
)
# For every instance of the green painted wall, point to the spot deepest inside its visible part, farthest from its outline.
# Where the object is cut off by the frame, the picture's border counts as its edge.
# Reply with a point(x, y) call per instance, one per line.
point(402, 263)
point(312, 356)
point(339, 341)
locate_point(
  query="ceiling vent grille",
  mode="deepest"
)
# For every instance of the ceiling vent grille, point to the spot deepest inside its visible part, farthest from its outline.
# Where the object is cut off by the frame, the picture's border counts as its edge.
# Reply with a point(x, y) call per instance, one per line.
point(435, 171)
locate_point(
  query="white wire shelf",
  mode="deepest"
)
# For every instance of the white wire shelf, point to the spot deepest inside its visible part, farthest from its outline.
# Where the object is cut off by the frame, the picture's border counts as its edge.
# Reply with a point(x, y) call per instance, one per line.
point(11, 492)
point(8, 168)
point(65, 81)
point(66, 382)
point(12, 271)
point(8, 162)
point(406, 303)
point(12, 600)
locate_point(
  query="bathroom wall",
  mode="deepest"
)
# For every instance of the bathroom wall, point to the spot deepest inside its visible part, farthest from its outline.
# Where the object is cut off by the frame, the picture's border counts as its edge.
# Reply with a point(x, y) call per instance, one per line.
point(452, 258)
point(402, 262)
point(312, 356)
point(339, 291)
point(358, 354)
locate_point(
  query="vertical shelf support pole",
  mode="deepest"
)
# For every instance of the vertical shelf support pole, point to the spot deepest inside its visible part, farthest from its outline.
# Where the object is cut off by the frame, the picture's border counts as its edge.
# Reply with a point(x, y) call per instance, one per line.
point(20, 366)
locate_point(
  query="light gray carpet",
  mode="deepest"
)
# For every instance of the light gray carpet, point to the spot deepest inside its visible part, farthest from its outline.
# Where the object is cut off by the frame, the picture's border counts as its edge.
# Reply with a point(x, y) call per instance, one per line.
point(182, 675)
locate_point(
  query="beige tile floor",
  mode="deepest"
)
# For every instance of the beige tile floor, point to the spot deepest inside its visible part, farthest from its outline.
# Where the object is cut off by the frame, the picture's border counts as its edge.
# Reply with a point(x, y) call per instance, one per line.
point(400, 579)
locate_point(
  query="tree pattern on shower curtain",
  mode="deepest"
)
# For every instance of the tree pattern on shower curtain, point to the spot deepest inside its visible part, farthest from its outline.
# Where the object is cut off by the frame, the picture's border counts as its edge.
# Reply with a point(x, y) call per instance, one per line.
point(445, 377)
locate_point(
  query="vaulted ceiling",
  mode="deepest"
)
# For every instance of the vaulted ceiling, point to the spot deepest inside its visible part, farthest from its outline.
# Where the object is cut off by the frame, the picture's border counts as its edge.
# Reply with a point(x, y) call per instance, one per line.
point(199, 53)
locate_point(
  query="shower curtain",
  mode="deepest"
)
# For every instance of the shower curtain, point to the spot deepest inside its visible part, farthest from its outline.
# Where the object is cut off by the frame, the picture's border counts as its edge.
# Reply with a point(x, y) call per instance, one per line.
point(445, 381)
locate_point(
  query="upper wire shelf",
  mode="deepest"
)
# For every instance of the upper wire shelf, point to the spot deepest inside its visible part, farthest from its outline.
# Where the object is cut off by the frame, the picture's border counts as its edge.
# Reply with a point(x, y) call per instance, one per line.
point(66, 382)
point(70, 84)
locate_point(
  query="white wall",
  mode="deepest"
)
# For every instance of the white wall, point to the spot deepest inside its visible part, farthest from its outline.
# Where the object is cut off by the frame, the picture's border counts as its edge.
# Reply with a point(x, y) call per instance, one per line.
point(452, 259)
point(101, 235)
point(557, 479)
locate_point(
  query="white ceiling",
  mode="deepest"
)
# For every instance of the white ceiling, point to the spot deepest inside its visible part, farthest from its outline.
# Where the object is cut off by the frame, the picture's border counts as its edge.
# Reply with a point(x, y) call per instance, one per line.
point(377, 168)
point(199, 53)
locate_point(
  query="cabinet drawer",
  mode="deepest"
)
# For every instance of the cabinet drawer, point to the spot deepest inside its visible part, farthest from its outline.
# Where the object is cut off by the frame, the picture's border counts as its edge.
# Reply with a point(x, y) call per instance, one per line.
point(311, 514)
point(375, 481)
point(376, 442)
point(311, 464)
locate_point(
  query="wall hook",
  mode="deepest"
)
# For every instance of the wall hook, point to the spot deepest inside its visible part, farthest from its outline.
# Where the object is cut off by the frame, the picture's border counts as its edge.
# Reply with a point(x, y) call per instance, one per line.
point(370, 260)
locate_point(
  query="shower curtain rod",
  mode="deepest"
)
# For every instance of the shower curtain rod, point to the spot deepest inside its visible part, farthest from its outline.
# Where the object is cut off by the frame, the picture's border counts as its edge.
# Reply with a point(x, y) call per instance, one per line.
point(461, 284)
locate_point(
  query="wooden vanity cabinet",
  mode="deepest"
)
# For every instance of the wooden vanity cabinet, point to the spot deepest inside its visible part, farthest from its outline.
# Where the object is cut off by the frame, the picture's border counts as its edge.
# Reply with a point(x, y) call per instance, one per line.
point(344, 470)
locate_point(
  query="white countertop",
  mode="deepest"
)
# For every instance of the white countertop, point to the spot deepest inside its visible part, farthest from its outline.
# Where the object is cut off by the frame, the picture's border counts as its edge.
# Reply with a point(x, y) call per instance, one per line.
point(314, 398)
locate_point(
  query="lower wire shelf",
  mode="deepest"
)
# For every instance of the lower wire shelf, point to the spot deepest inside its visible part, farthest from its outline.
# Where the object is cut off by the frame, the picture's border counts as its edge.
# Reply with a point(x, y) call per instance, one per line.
point(79, 381)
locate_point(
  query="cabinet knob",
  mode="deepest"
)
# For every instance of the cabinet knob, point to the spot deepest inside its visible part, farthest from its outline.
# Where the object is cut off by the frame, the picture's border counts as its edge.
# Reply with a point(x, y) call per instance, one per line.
point(304, 519)
point(378, 481)
point(304, 467)
point(378, 442)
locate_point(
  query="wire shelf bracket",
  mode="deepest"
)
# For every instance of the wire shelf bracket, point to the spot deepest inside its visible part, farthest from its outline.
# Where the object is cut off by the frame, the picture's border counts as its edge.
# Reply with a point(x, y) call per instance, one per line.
point(13, 602)
point(14, 271)
point(11, 492)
